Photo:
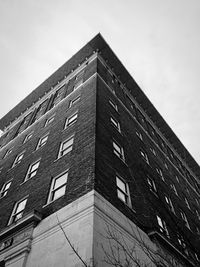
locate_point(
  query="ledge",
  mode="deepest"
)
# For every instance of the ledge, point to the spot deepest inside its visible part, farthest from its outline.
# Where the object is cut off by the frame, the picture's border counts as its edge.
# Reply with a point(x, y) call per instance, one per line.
point(154, 234)
point(31, 218)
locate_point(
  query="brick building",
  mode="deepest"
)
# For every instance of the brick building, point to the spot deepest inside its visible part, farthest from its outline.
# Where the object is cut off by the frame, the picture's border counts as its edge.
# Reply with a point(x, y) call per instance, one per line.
point(87, 162)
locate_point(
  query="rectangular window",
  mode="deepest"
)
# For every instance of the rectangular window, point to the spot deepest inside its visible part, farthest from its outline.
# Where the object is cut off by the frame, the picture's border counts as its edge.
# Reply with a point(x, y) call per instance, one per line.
point(113, 105)
point(162, 226)
point(28, 137)
point(153, 151)
point(159, 171)
point(58, 187)
point(18, 159)
point(4, 189)
point(23, 125)
point(152, 185)
point(40, 110)
point(74, 101)
point(42, 141)
point(144, 156)
point(198, 215)
point(187, 203)
point(139, 135)
point(18, 211)
point(115, 123)
point(59, 95)
point(71, 120)
point(78, 80)
point(66, 147)
point(174, 189)
point(122, 190)
point(32, 170)
point(184, 218)
point(169, 203)
point(8, 152)
point(49, 120)
point(118, 150)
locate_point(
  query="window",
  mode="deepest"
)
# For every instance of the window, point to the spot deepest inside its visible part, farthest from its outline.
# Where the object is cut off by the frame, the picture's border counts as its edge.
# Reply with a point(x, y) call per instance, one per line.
point(187, 203)
point(181, 241)
point(118, 150)
point(169, 203)
point(74, 101)
point(198, 215)
point(24, 123)
point(32, 170)
point(42, 141)
point(115, 123)
point(162, 226)
point(18, 211)
point(71, 120)
point(174, 189)
point(159, 171)
point(18, 159)
point(139, 135)
point(49, 120)
point(4, 189)
point(113, 105)
point(40, 110)
point(153, 151)
point(8, 152)
point(79, 79)
point(152, 185)
point(58, 187)
point(59, 95)
point(28, 137)
point(166, 166)
point(184, 218)
point(66, 147)
point(144, 156)
point(122, 190)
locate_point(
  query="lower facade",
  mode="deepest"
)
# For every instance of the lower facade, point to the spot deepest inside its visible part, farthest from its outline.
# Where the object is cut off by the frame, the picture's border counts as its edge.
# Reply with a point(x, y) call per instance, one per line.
point(88, 232)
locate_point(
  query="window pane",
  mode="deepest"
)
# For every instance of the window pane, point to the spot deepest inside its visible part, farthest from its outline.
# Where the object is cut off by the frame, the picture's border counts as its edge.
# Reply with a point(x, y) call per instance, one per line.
point(121, 185)
point(60, 181)
point(121, 196)
point(21, 206)
point(58, 193)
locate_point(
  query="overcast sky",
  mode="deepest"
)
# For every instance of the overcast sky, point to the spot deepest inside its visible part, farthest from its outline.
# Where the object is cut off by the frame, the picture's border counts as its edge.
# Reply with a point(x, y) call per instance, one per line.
point(158, 41)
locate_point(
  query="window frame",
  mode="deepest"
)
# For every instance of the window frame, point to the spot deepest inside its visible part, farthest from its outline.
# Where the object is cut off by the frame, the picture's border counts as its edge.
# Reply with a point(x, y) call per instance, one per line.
point(115, 124)
point(113, 105)
point(28, 137)
point(184, 218)
point(152, 185)
point(4, 189)
point(15, 212)
point(69, 123)
point(169, 203)
point(30, 171)
point(40, 143)
point(49, 120)
point(53, 189)
point(125, 192)
point(17, 160)
point(70, 146)
point(139, 135)
point(144, 156)
point(8, 152)
point(162, 225)
point(74, 100)
point(120, 153)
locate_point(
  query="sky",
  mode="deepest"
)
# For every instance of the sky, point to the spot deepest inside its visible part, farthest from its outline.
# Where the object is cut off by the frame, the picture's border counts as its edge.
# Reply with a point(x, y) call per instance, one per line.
point(158, 41)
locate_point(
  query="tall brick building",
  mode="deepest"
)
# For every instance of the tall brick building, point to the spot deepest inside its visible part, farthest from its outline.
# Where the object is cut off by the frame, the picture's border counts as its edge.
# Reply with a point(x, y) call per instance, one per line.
point(89, 169)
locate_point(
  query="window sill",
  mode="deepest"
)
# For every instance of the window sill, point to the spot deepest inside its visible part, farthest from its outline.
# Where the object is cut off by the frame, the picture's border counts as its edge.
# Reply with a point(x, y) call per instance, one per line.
point(49, 203)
